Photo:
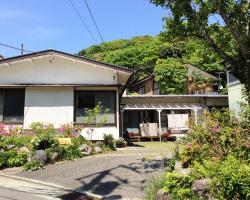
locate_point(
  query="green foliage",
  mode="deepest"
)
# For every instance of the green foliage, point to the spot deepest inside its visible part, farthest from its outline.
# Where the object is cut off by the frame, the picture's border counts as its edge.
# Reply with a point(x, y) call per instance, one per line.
point(69, 152)
point(230, 178)
point(120, 143)
point(12, 159)
point(154, 184)
point(171, 76)
point(179, 186)
point(217, 135)
point(109, 141)
point(222, 25)
point(17, 140)
point(93, 118)
point(44, 141)
point(33, 166)
point(142, 53)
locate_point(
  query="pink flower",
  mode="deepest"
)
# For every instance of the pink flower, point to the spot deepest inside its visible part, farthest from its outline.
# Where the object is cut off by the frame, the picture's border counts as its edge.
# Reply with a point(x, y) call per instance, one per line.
point(189, 145)
point(248, 145)
point(215, 129)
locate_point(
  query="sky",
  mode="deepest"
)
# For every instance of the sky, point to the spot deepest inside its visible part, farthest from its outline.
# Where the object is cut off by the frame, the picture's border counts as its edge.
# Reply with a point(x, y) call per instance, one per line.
point(53, 24)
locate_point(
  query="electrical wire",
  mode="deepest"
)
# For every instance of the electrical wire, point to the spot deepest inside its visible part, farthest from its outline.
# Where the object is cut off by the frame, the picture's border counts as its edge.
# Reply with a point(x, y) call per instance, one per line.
point(93, 19)
point(83, 22)
point(16, 48)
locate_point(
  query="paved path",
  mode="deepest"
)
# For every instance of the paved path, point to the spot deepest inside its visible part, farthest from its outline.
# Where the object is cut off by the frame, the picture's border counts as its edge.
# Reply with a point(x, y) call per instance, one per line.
point(16, 189)
point(122, 174)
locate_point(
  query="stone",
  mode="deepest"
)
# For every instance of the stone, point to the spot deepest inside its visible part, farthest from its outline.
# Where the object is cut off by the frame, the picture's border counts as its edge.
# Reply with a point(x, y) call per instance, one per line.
point(162, 195)
point(54, 157)
point(23, 150)
point(178, 167)
point(201, 187)
point(98, 149)
point(40, 156)
point(84, 147)
point(1, 150)
point(10, 146)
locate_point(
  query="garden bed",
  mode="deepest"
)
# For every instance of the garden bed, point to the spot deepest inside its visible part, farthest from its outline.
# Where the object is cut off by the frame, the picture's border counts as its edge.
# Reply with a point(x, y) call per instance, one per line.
point(43, 144)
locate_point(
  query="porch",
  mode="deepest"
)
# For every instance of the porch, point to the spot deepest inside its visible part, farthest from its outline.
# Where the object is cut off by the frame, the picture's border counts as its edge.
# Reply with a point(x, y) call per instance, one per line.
point(157, 121)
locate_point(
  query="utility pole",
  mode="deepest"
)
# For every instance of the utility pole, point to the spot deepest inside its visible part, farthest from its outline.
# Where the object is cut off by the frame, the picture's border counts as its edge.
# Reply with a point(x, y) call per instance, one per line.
point(22, 49)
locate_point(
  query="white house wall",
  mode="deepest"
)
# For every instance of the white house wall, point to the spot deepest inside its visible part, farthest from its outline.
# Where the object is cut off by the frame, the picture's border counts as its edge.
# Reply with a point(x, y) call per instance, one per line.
point(49, 105)
point(235, 97)
point(55, 70)
point(56, 105)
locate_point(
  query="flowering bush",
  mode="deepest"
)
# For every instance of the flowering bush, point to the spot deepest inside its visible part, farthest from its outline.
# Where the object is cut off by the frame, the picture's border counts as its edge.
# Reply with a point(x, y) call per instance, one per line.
point(217, 135)
point(70, 130)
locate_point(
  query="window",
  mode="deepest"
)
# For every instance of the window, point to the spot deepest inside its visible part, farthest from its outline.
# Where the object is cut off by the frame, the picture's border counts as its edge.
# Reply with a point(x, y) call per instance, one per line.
point(156, 88)
point(85, 100)
point(12, 105)
point(141, 90)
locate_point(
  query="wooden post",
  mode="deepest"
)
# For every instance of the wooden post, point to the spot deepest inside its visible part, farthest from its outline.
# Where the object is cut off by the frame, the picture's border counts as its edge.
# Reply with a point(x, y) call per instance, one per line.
point(159, 120)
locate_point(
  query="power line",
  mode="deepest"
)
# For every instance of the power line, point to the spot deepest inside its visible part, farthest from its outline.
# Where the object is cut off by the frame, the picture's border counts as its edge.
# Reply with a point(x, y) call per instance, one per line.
point(83, 22)
point(92, 16)
point(16, 48)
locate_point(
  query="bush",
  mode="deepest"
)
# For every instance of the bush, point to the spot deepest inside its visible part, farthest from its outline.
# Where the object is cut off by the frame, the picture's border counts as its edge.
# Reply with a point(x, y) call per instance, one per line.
point(69, 130)
point(69, 152)
point(12, 159)
point(179, 186)
point(230, 178)
point(109, 141)
point(44, 141)
point(153, 185)
point(120, 143)
point(217, 135)
point(17, 140)
point(33, 166)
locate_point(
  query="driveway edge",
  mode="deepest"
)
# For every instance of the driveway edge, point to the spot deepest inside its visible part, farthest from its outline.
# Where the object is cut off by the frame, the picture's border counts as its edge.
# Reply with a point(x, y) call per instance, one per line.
point(69, 189)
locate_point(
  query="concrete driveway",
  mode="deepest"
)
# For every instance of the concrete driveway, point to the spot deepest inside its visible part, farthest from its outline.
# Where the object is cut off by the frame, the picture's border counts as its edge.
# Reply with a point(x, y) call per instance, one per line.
point(122, 174)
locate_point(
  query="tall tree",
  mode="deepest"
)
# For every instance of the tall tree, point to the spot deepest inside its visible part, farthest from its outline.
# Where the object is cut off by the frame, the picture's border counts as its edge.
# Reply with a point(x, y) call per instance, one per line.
point(223, 24)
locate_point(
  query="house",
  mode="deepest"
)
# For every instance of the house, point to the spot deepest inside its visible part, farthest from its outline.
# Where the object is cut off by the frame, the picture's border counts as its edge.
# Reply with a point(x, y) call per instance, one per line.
point(167, 113)
point(56, 87)
point(235, 95)
point(149, 86)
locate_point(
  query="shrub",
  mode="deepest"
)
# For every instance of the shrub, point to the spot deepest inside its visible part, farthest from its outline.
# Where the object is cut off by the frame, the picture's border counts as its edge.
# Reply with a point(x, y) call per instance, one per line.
point(44, 141)
point(109, 141)
point(69, 130)
point(69, 152)
point(153, 185)
point(217, 135)
point(12, 159)
point(79, 140)
point(179, 186)
point(33, 166)
point(120, 143)
point(230, 178)
point(17, 140)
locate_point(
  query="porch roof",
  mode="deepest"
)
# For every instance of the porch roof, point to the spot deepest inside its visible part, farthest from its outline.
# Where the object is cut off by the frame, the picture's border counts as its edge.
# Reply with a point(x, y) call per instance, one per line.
point(162, 106)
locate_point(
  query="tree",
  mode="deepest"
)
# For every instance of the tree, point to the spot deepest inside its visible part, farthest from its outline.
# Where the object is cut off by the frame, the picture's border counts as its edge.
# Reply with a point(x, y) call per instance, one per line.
point(171, 76)
point(228, 36)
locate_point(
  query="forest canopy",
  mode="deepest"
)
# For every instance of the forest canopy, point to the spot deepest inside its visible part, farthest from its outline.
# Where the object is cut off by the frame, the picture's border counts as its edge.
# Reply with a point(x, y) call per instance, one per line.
point(148, 54)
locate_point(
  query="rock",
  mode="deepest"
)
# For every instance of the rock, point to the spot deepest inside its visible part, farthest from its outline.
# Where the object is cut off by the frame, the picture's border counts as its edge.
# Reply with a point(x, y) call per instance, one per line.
point(23, 150)
point(84, 147)
point(162, 195)
point(98, 149)
point(1, 150)
point(178, 167)
point(201, 187)
point(10, 146)
point(40, 156)
point(54, 157)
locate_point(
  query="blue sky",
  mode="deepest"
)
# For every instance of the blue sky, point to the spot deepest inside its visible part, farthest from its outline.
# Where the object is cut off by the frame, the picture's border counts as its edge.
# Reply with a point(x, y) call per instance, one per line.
point(53, 24)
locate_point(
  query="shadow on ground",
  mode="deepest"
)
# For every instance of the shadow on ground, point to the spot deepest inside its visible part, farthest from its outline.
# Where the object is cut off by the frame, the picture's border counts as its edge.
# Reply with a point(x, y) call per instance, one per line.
point(96, 185)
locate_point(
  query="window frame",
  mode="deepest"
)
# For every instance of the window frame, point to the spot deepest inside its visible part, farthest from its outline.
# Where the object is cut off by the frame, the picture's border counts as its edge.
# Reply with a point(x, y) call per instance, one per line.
point(95, 125)
point(4, 107)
